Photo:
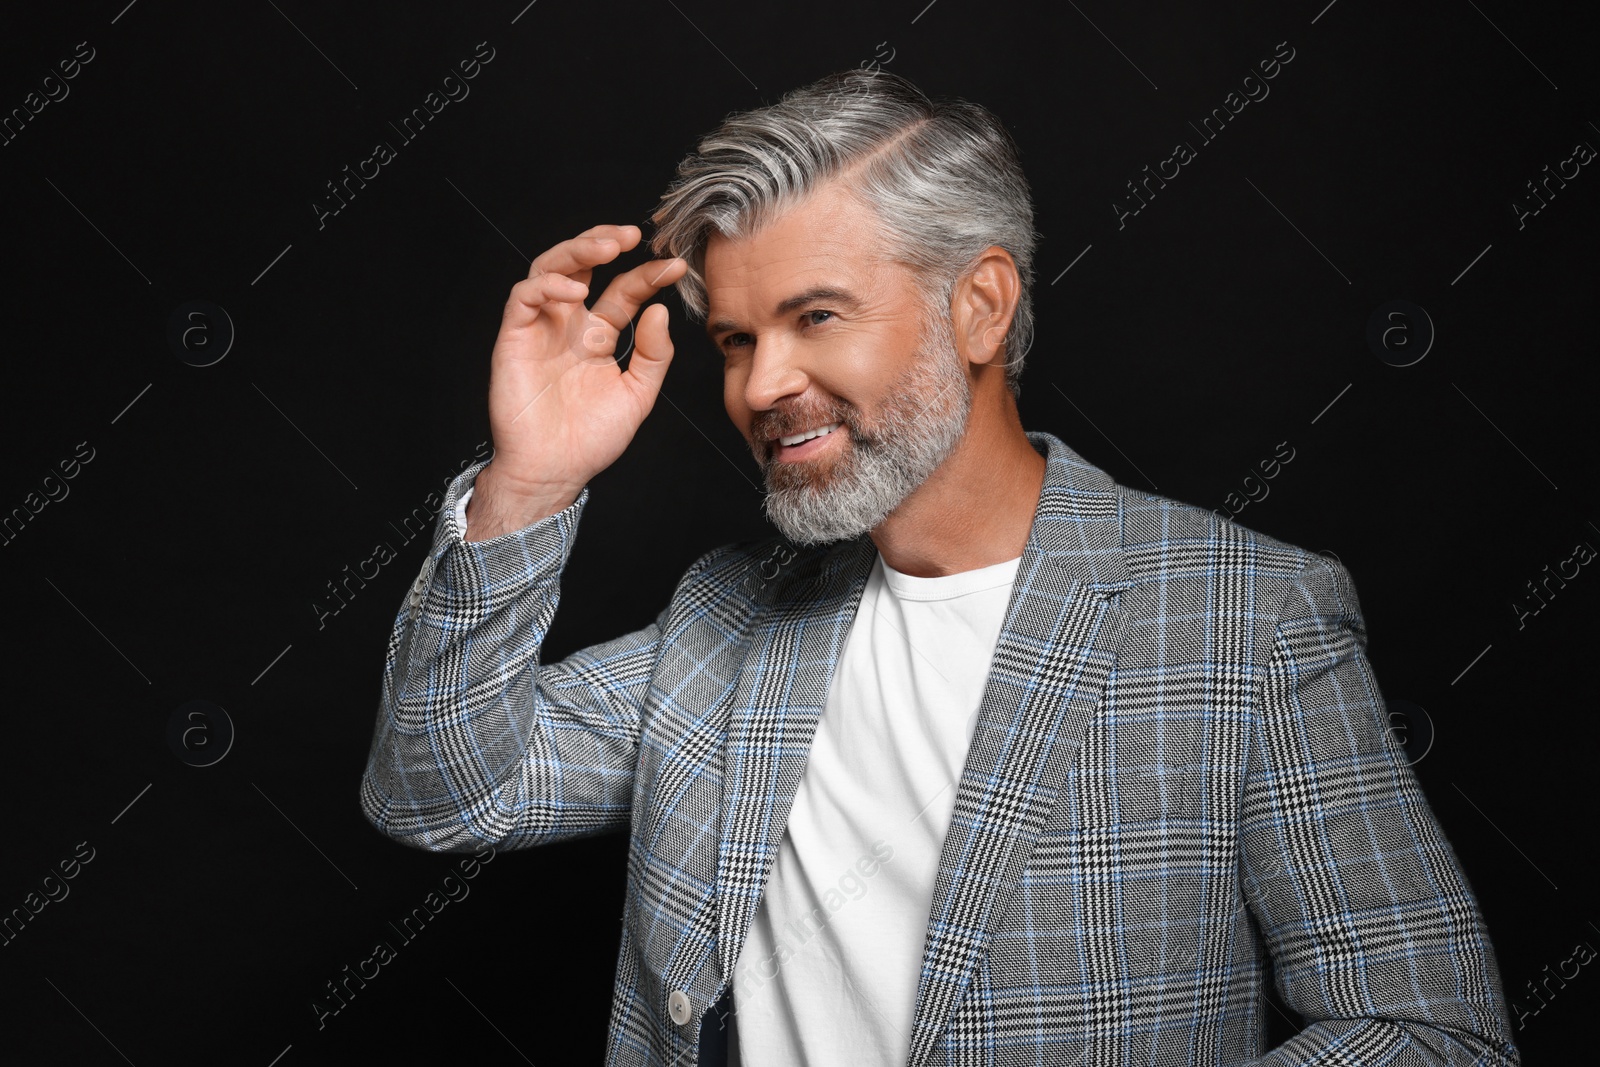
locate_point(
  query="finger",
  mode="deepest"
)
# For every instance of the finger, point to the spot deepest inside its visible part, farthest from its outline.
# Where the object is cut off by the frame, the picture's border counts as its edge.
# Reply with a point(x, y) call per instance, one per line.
point(627, 292)
point(531, 294)
point(652, 353)
point(627, 233)
point(598, 244)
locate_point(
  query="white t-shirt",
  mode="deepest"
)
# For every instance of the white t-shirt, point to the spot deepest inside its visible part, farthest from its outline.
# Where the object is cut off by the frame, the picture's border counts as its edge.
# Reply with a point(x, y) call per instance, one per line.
point(828, 972)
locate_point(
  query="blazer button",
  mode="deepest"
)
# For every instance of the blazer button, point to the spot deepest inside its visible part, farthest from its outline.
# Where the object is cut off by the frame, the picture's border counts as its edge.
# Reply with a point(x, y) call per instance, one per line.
point(679, 1008)
point(419, 588)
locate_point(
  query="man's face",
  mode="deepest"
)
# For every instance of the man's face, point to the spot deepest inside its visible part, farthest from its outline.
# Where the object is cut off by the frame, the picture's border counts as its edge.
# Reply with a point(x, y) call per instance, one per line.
point(816, 330)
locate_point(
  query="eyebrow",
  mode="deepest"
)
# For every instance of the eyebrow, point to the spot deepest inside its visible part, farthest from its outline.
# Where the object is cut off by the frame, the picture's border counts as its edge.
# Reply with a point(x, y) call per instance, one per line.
point(815, 294)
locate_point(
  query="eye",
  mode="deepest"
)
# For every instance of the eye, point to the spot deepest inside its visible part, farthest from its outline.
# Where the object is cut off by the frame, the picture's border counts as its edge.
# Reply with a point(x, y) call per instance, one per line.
point(740, 340)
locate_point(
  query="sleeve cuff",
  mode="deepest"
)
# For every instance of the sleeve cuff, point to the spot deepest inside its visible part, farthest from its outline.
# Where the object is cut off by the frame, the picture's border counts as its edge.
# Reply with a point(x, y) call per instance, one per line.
point(484, 572)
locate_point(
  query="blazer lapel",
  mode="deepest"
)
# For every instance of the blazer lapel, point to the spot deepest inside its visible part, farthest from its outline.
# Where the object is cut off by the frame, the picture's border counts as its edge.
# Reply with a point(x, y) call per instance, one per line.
point(778, 701)
point(1052, 661)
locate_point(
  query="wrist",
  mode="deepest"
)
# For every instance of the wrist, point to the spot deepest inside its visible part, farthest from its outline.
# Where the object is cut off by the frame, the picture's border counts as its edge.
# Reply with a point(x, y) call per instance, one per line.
point(500, 504)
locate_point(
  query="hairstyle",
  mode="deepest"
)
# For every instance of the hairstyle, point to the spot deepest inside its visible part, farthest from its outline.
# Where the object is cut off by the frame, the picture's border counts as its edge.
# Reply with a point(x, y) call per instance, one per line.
point(942, 175)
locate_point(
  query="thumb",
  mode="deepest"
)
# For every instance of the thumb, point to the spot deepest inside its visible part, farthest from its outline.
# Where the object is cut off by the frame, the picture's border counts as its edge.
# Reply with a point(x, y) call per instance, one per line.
point(652, 352)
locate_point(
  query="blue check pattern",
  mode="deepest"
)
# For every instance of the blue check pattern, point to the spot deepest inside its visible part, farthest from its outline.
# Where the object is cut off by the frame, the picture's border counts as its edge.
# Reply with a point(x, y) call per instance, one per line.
point(1181, 787)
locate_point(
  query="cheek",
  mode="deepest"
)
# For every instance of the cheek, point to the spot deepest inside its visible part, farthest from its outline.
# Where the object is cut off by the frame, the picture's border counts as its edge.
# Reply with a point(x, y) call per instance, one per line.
point(873, 362)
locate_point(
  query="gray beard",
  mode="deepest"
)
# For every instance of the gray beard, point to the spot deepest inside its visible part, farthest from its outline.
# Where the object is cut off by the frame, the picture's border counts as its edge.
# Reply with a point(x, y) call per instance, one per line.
point(923, 418)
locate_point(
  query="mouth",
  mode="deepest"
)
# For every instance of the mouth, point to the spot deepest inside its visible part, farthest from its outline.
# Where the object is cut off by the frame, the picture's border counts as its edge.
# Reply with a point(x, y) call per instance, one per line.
point(796, 447)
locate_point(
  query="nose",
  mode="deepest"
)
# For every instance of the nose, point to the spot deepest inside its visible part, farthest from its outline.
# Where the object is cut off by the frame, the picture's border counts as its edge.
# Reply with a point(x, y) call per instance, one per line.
point(775, 372)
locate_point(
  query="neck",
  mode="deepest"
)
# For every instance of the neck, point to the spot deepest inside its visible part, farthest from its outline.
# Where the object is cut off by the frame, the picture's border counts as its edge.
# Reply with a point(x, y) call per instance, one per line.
point(977, 508)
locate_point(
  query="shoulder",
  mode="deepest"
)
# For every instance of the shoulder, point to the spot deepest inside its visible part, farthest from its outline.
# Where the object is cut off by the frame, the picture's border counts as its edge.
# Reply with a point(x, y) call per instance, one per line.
point(738, 584)
point(729, 566)
point(1169, 540)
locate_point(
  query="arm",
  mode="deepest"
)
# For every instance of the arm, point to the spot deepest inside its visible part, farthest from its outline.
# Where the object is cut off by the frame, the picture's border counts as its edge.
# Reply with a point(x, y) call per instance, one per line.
point(1375, 935)
point(476, 740)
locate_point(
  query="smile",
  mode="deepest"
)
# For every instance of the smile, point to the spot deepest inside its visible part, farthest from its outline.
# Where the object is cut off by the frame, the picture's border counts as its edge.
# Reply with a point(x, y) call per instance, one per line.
point(802, 445)
point(799, 438)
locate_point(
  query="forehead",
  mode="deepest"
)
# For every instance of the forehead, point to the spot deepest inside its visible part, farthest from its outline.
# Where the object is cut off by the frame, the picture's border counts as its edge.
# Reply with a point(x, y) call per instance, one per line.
point(827, 239)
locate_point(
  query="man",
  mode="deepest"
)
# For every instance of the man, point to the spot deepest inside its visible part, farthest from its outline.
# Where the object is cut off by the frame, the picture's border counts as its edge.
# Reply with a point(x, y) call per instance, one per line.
point(988, 759)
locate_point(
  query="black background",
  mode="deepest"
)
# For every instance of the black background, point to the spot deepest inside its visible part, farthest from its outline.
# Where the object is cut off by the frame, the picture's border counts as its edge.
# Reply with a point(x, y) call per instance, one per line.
point(1177, 352)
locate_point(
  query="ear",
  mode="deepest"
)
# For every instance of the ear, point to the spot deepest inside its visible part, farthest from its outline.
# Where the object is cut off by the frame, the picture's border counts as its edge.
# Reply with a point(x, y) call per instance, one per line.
point(984, 300)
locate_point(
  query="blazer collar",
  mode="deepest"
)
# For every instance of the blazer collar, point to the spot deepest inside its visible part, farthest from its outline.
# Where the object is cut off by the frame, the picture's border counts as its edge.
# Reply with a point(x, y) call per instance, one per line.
point(1052, 660)
point(1078, 521)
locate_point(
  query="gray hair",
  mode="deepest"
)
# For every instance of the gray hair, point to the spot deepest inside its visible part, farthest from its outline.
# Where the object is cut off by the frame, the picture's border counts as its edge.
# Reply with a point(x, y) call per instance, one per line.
point(942, 176)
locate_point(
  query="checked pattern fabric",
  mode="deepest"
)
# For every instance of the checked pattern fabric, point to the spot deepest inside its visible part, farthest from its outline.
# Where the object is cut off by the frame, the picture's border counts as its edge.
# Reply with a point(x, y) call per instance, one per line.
point(1181, 787)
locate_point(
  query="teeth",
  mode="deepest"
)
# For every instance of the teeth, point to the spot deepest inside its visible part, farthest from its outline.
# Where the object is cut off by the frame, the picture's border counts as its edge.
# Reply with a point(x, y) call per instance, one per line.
point(808, 435)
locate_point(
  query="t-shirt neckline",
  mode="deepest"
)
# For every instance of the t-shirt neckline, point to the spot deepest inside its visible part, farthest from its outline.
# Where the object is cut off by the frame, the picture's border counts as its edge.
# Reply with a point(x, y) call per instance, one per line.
point(949, 586)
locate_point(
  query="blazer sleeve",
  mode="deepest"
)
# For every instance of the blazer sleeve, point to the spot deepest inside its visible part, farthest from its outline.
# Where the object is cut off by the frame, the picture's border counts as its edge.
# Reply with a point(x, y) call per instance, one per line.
point(1375, 936)
point(476, 740)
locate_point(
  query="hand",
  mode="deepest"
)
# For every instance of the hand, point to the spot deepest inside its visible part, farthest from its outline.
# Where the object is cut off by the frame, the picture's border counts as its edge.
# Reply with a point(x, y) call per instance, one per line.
point(560, 410)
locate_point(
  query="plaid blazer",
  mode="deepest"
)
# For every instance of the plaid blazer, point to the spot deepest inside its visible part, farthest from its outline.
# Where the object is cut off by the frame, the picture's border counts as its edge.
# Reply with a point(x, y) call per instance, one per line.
point(1181, 786)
